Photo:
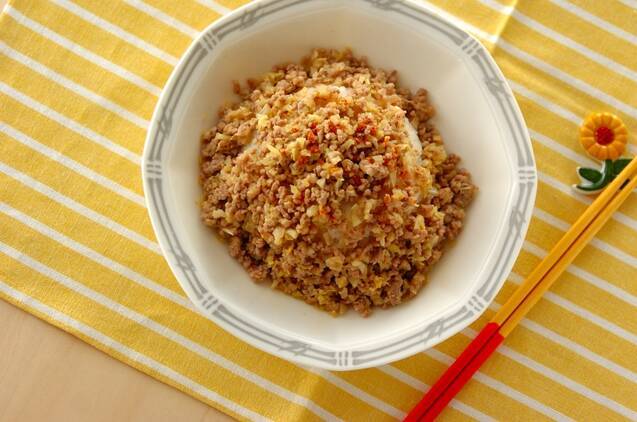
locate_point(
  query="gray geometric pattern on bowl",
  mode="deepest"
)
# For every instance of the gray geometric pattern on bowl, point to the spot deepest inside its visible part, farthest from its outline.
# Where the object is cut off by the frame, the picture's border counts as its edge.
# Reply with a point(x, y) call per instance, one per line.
point(358, 358)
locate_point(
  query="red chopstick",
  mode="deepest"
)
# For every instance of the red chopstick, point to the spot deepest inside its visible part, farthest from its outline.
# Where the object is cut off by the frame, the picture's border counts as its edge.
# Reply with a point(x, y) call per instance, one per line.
point(457, 375)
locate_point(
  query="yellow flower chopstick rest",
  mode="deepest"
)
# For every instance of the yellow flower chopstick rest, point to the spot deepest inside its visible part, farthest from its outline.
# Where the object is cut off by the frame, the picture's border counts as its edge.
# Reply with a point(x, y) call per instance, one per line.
point(604, 137)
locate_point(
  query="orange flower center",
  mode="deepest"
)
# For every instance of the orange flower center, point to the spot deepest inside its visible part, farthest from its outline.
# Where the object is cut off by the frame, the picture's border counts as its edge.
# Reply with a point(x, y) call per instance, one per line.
point(604, 135)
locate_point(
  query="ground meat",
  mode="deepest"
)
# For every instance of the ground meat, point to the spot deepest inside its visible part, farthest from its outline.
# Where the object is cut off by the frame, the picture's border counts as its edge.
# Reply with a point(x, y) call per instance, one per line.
point(320, 190)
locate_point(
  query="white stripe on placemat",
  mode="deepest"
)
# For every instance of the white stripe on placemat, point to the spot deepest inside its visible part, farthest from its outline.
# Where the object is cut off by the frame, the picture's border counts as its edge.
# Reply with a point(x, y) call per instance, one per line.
point(117, 31)
point(630, 3)
point(76, 88)
point(608, 287)
point(72, 164)
point(585, 314)
point(502, 388)
point(213, 5)
point(493, 39)
point(596, 242)
point(71, 124)
point(357, 392)
point(79, 208)
point(597, 21)
point(116, 267)
point(550, 143)
point(545, 103)
point(421, 386)
point(574, 347)
point(163, 17)
point(578, 349)
point(568, 190)
point(82, 52)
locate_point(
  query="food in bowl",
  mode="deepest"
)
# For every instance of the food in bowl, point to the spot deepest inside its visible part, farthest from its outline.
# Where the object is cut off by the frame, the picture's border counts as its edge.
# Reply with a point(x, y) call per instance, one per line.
point(330, 182)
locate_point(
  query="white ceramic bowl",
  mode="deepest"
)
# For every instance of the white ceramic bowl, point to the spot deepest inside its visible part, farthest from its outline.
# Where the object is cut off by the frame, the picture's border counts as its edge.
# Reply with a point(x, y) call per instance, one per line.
point(477, 116)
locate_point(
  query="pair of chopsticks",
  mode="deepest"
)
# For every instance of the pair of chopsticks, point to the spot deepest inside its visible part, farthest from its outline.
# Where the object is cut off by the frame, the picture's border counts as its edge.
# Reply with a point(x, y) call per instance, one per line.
point(526, 296)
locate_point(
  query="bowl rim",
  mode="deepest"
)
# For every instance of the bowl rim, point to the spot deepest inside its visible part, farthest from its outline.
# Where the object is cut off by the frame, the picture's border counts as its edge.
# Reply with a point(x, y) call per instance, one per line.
point(280, 343)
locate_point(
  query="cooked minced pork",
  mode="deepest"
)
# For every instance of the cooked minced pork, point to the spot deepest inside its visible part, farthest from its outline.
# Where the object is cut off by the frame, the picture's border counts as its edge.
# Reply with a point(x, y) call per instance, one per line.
point(330, 183)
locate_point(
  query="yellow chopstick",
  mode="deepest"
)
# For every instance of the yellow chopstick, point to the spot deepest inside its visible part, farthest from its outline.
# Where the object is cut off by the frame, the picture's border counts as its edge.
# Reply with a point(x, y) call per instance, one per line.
point(576, 247)
point(565, 242)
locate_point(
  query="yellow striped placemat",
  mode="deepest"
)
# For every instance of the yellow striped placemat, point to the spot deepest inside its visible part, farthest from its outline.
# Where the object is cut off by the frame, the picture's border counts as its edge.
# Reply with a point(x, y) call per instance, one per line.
point(78, 83)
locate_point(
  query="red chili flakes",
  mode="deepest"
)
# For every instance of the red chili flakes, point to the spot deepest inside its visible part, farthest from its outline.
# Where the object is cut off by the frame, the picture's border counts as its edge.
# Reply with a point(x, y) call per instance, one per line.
point(390, 159)
point(379, 209)
point(359, 133)
point(312, 143)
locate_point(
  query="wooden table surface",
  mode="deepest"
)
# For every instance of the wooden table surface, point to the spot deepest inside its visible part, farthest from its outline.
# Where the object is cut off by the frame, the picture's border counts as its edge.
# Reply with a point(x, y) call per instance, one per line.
point(49, 375)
